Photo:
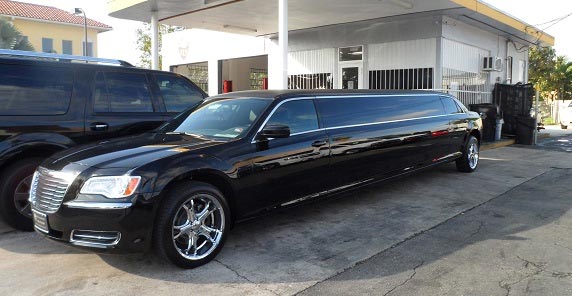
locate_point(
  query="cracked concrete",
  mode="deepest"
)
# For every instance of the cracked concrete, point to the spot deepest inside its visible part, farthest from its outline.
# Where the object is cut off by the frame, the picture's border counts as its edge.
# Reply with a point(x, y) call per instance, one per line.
point(514, 244)
point(413, 273)
point(438, 232)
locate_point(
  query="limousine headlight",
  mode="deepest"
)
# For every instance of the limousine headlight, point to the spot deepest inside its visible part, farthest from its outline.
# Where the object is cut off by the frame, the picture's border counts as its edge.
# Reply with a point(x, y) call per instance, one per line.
point(111, 186)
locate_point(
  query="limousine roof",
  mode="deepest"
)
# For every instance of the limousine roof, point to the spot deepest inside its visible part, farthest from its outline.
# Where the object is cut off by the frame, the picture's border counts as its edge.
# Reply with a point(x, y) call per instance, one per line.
point(295, 93)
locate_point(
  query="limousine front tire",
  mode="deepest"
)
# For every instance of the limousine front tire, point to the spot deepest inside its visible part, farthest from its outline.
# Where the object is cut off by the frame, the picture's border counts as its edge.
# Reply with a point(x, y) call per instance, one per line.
point(192, 224)
point(469, 161)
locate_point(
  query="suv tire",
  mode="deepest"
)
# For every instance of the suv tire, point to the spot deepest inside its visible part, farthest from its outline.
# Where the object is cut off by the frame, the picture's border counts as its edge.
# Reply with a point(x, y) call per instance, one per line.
point(193, 214)
point(14, 179)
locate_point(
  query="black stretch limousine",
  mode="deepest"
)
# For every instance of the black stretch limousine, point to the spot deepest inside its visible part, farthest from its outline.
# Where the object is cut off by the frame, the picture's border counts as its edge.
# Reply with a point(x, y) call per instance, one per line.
point(180, 187)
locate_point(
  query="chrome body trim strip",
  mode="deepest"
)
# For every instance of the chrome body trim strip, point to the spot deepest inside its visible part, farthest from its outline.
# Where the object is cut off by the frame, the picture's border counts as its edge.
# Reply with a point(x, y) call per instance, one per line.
point(387, 121)
point(374, 95)
point(307, 197)
point(452, 155)
point(97, 205)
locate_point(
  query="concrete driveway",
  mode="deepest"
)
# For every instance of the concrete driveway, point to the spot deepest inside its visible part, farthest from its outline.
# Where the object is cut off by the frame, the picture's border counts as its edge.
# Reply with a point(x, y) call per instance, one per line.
point(437, 232)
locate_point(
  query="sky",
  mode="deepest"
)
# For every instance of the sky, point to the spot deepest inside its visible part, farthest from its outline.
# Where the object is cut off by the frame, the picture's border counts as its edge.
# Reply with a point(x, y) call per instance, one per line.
point(120, 43)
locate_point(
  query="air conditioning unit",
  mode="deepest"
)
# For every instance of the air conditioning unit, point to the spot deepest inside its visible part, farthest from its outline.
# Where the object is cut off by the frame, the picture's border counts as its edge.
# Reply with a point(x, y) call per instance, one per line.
point(492, 64)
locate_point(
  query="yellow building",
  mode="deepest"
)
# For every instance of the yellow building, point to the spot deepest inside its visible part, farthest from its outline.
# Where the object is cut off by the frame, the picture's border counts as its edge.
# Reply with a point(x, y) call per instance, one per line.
point(51, 29)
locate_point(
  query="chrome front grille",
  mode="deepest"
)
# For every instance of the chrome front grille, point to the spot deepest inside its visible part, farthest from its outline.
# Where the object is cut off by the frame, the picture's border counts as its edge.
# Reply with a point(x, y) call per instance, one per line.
point(48, 189)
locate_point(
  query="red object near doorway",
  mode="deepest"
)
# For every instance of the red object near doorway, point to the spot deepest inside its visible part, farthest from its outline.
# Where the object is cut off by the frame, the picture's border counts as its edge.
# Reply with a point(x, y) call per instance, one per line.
point(265, 83)
point(226, 86)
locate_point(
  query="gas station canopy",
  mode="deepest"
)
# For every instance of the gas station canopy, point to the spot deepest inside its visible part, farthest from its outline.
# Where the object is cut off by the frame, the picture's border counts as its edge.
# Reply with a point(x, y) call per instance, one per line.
point(260, 17)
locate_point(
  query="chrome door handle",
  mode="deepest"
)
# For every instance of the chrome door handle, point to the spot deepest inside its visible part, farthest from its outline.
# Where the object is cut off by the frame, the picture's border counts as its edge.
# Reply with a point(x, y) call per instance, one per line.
point(319, 143)
point(99, 127)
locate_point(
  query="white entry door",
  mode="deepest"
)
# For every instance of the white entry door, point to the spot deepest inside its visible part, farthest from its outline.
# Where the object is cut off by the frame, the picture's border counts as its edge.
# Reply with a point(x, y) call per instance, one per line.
point(350, 75)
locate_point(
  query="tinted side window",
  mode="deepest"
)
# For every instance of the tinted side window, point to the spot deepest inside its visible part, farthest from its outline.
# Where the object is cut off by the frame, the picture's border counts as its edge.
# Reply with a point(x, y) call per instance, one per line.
point(177, 93)
point(34, 90)
point(450, 106)
point(122, 92)
point(299, 115)
point(351, 111)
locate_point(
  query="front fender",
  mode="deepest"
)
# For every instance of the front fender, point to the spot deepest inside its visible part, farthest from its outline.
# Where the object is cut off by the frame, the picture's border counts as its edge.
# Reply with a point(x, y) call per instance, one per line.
point(165, 171)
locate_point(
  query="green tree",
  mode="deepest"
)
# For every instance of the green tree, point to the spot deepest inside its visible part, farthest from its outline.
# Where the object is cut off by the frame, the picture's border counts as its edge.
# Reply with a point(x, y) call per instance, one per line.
point(561, 78)
point(541, 65)
point(144, 43)
point(550, 74)
point(12, 38)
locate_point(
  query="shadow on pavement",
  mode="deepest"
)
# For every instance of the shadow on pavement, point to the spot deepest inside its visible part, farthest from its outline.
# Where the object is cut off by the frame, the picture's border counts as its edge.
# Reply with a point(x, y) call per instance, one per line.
point(284, 247)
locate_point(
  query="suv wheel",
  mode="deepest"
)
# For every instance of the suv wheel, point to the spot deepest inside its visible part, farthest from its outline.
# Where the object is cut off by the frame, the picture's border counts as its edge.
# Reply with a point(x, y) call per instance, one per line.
point(192, 224)
point(15, 185)
point(470, 159)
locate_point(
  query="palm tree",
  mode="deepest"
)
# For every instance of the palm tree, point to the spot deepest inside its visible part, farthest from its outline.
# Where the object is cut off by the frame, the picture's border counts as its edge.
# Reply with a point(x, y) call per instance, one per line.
point(12, 38)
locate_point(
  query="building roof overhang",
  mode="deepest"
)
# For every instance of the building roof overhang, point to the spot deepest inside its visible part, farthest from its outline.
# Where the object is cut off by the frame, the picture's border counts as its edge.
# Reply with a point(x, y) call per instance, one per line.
point(259, 17)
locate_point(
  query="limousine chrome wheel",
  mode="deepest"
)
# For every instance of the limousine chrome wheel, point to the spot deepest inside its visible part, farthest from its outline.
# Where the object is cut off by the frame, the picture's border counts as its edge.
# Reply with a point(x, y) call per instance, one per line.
point(473, 155)
point(191, 225)
point(198, 226)
point(470, 159)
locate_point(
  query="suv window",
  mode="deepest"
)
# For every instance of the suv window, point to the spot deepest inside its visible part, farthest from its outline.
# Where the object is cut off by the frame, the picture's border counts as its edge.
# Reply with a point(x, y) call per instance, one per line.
point(450, 106)
point(299, 115)
point(354, 111)
point(177, 93)
point(34, 90)
point(122, 92)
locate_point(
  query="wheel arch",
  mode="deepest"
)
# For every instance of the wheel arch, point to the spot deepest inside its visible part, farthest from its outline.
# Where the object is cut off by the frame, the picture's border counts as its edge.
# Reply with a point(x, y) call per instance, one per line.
point(213, 177)
point(477, 134)
point(43, 150)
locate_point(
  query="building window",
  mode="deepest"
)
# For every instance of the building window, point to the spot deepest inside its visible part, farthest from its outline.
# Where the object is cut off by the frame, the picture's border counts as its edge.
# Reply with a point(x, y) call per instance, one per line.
point(196, 72)
point(352, 53)
point(311, 81)
point(67, 47)
point(89, 48)
point(48, 45)
point(417, 78)
point(257, 77)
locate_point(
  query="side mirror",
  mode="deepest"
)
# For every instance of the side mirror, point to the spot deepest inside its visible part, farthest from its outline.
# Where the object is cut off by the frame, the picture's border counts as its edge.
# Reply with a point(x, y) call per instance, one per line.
point(274, 131)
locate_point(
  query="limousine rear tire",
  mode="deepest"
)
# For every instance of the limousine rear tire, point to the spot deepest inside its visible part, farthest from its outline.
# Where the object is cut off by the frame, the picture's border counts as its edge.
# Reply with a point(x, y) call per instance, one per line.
point(192, 224)
point(470, 159)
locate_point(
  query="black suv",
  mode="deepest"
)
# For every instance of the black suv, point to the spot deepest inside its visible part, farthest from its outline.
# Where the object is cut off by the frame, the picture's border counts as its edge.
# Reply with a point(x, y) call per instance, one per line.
point(179, 188)
point(49, 103)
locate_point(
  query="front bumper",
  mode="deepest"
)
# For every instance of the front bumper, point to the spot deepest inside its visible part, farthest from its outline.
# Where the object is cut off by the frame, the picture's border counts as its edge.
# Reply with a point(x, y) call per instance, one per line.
point(110, 229)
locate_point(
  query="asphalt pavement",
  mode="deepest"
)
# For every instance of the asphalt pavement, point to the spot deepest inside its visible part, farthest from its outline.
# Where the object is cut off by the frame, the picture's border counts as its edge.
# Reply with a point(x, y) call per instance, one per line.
point(504, 229)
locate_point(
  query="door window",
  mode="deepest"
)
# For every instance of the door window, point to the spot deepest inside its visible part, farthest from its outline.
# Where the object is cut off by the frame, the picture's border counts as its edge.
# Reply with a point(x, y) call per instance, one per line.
point(299, 115)
point(177, 93)
point(350, 78)
point(26, 90)
point(450, 106)
point(122, 92)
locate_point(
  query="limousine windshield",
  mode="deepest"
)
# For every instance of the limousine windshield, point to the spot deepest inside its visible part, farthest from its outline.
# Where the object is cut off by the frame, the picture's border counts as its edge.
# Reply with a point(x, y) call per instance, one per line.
point(229, 118)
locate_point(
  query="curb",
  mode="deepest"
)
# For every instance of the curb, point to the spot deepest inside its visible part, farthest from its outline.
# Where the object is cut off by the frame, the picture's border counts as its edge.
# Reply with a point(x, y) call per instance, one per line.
point(497, 144)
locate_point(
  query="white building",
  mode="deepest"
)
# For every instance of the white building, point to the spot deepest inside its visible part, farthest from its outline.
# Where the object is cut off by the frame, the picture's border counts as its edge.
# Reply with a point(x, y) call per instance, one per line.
point(458, 46)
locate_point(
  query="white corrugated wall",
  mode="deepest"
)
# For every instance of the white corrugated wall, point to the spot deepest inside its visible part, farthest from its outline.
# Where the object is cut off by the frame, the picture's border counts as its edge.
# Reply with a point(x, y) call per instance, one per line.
point(462, 57)
point(410, 54)
point(312, 61)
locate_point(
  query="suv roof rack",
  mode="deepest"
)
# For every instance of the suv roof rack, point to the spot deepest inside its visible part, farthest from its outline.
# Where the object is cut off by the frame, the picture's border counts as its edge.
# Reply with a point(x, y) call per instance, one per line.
point(61, 57)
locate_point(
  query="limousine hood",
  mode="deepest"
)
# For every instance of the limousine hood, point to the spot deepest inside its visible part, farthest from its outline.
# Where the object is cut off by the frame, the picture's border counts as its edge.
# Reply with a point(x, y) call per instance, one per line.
point(130, 152)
